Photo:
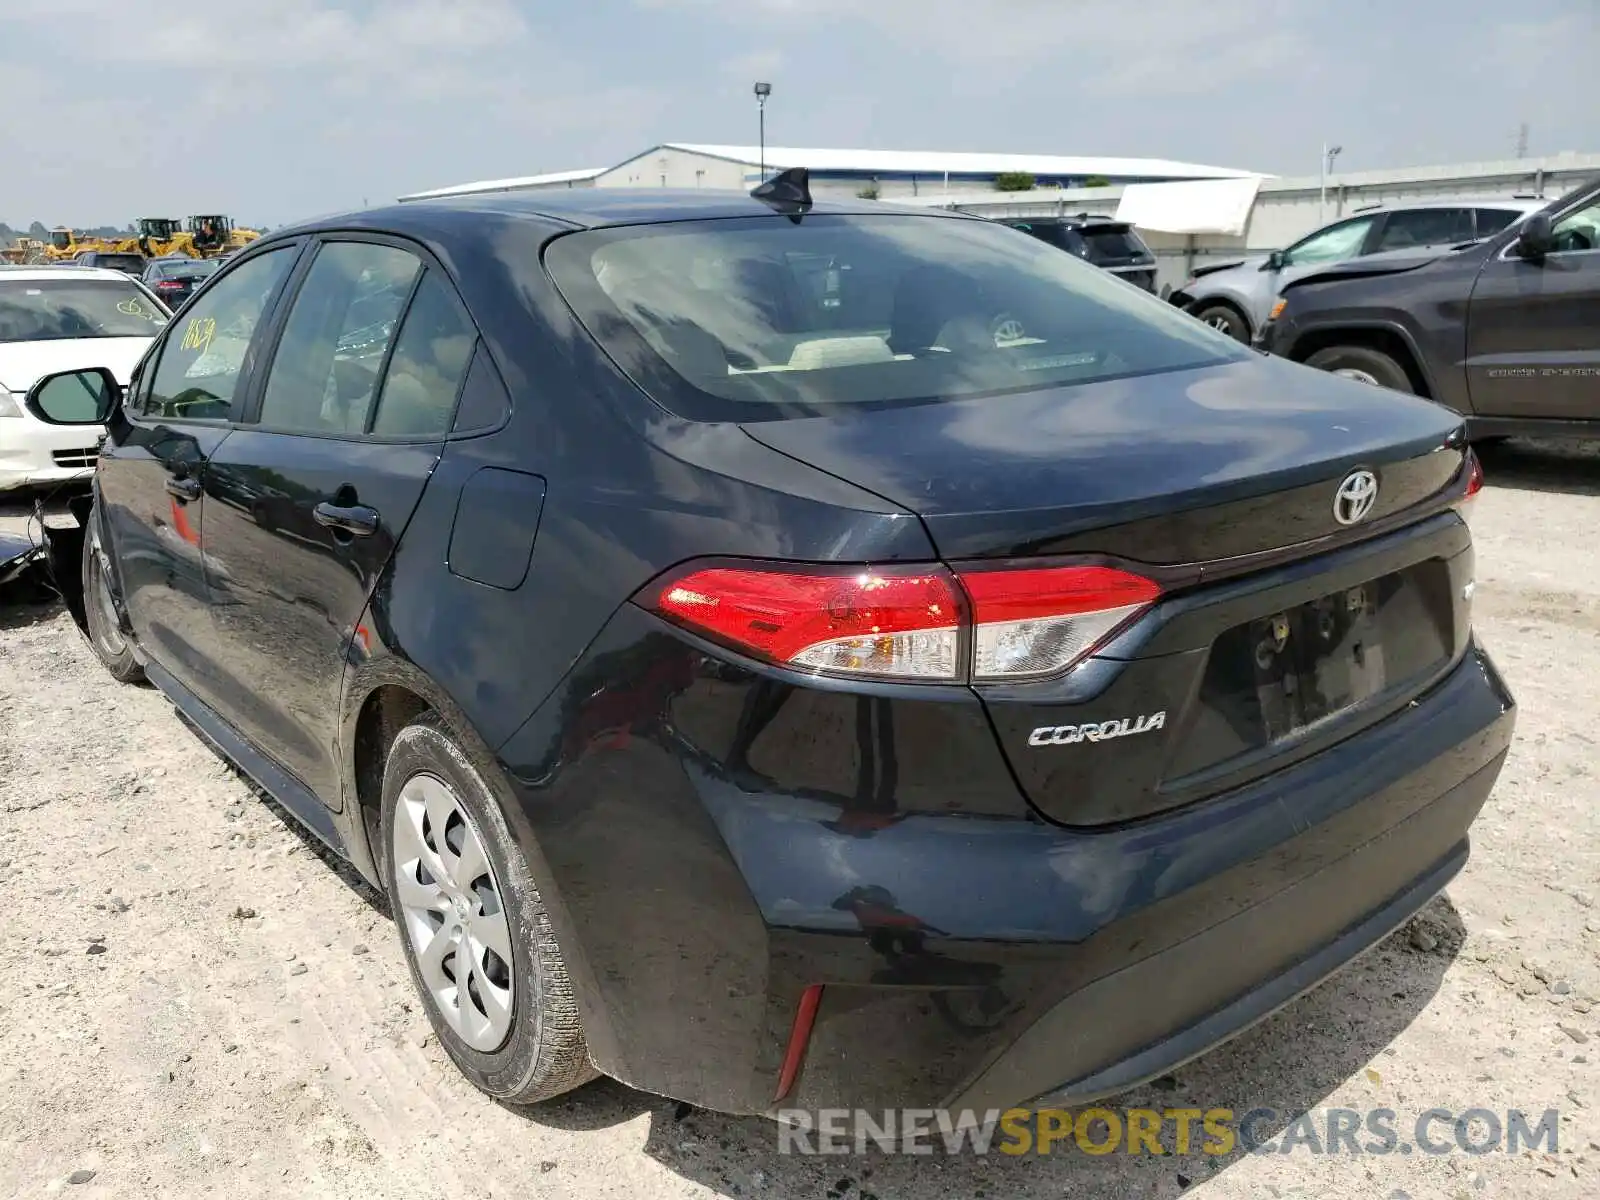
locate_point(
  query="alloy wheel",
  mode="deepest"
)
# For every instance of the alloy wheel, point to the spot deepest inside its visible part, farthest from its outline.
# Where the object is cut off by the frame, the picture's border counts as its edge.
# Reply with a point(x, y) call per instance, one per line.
point(1357, 374)
point(453, 911)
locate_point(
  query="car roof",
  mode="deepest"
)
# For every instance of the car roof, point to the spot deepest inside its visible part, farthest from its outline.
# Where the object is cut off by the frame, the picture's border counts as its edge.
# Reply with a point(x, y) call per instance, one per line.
point(591, 208)
point(1513, 203)
point(22, 273)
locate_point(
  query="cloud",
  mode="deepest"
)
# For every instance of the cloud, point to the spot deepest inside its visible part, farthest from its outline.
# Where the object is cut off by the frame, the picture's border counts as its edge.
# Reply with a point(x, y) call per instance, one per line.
point(1165, 45)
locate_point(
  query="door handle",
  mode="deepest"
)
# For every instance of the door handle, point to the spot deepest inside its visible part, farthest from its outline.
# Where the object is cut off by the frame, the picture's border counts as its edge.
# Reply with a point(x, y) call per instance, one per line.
point(357, 520)
point(183, 488)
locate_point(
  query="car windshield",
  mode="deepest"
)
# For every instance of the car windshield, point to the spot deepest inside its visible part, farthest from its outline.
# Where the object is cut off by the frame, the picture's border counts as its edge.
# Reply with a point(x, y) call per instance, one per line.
point(758, 318)
point(41, 310)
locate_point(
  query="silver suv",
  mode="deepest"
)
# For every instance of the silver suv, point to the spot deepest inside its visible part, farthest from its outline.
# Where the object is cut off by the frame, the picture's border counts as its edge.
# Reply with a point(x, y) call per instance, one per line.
point(1236, 296)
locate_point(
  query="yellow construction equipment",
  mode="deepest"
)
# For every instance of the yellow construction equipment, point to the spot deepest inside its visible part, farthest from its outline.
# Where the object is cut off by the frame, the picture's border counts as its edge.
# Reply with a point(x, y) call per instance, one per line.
point(215, 235)
point(160, 237)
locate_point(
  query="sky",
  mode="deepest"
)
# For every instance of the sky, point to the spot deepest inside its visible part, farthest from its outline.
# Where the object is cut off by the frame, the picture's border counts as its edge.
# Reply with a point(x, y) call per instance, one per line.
point(116, 109)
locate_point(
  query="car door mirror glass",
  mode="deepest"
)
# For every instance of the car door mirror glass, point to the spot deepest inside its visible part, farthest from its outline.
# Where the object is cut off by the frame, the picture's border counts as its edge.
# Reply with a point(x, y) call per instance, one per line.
point(1535, 237)
point(74, 397)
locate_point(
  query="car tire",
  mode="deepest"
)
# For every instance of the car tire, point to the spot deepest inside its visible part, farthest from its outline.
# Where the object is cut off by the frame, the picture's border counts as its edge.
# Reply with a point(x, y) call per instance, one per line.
point(1364, 364)
point(516, 1035)
point(104, 626)
point(1224, 319)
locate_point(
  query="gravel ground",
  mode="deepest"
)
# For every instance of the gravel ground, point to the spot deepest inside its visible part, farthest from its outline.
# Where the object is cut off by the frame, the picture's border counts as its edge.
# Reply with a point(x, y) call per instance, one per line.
point(194, 1000)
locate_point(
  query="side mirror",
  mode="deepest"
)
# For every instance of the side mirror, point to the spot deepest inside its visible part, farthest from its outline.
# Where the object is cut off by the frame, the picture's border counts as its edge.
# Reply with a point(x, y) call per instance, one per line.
point(85, 397)
point(1535, 237)
point(1276, 261)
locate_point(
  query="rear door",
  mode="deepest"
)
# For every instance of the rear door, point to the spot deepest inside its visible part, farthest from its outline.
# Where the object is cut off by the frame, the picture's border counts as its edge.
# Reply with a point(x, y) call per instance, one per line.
point(1533, 345)
point(345, 430)
point(152, 475)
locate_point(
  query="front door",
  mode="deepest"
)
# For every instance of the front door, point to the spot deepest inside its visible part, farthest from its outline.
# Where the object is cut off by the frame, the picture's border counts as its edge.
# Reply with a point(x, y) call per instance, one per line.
point(347, 427)
point(1533, 328)
point(152, 475)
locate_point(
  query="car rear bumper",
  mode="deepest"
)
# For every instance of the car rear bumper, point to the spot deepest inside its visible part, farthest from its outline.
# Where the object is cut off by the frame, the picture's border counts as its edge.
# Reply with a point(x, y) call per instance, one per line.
point(965, 961)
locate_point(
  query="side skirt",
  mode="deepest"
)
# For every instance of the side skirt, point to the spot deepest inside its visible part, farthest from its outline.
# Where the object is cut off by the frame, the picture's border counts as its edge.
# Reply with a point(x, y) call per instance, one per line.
point(278, 783)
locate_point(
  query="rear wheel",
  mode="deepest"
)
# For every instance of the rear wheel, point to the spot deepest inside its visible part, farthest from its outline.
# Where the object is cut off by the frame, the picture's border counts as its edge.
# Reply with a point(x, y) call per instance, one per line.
point(110, 644)
point(1363, 364)
point(1226, 320)
point(473, 928)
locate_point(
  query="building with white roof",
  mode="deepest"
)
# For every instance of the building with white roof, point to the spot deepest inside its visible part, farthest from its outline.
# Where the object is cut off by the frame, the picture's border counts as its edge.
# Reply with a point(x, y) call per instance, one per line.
point(886, 173)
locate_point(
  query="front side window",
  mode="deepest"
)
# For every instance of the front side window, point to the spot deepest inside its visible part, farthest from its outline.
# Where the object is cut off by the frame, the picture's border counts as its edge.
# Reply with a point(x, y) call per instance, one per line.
point(197, 377)
point(49, 310)
point(1426, 227)
point(1579, 230)
point(325, 371)
point(1334, 244)
point(764, 317)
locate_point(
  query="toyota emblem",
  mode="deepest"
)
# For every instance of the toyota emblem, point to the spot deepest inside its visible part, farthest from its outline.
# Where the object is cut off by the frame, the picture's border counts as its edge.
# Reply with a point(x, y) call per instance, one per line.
point(1356, 495)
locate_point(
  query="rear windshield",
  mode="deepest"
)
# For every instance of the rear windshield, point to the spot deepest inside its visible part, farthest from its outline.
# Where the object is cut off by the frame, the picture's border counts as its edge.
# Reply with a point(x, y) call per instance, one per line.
point(758, 318)
point(1107, 242)
point(35, 310)
point(120, 262)
point(199, 269)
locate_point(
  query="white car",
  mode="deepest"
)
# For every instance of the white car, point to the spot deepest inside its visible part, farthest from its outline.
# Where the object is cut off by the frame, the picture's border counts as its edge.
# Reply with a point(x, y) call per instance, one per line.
point(55, 319)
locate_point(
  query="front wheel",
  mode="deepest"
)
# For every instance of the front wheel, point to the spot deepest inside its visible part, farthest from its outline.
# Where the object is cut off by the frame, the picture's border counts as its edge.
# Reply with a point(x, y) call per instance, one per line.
point(1364, 365)
point(110, 644)
point(473, 928)
point(1226, 320)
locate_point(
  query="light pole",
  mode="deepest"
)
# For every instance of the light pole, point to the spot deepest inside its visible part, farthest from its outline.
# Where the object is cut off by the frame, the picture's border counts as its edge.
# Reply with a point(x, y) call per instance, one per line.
point(763, 90)
point(1329, 153)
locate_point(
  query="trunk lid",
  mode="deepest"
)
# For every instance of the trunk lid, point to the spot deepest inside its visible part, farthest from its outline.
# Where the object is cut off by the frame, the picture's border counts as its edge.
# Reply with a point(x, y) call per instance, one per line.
point(1180, 467)
point(1281, 630)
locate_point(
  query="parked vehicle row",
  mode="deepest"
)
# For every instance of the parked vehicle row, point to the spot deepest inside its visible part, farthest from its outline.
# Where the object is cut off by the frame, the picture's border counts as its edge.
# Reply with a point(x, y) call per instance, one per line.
point(1237, 297)
point(790, 654)
point(1503, 330)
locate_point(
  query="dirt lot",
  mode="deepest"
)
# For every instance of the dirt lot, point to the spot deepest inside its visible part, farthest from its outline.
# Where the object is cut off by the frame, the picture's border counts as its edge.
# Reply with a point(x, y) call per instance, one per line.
point(195, 1001)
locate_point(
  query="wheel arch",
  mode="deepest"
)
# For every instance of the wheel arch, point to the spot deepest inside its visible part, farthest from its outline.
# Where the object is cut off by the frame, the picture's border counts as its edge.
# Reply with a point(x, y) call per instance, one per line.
point(381, 696)
point(1389, 337)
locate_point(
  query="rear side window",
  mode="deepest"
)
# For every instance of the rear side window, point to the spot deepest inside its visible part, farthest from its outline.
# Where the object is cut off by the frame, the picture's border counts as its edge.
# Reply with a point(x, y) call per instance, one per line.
point(1493, 220)
point(430, 360)
point(1425, 227)
point(325, 371)
point(765, 317)
point(198, 374)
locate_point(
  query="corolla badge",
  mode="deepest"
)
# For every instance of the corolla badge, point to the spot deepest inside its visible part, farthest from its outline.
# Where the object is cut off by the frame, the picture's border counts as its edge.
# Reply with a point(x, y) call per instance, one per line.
point(1357, 493)
point(1096, 731)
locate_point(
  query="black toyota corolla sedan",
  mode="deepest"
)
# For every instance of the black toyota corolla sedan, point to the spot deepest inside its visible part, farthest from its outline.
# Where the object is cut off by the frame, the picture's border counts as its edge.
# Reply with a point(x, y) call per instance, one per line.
point(788, 654)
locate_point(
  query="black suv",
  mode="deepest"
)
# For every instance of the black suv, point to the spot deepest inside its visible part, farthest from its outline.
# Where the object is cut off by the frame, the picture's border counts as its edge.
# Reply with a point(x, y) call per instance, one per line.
point(1502, 330)
point(791, 655)
point(1108, 244)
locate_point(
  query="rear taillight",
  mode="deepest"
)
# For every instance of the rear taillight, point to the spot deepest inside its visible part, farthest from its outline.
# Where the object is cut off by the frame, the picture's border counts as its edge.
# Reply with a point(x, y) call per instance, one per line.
point(911, 623)
point(1467, 503)
point(1039, 621)
point(879, 622)
point(168, 285)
